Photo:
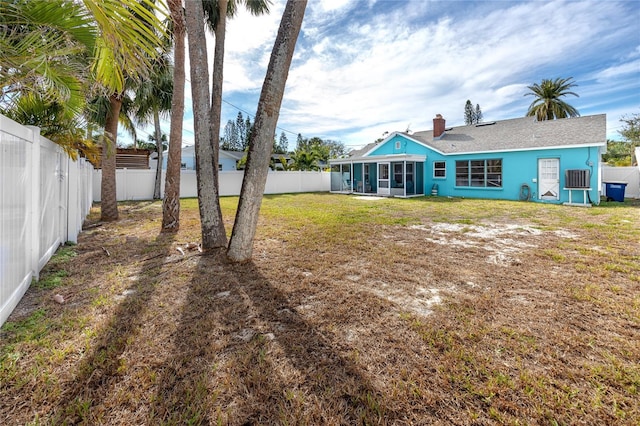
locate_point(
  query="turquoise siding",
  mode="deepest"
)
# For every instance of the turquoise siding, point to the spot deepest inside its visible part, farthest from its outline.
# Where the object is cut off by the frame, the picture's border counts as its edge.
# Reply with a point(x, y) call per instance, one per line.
point(406, 147)
point(518, 168)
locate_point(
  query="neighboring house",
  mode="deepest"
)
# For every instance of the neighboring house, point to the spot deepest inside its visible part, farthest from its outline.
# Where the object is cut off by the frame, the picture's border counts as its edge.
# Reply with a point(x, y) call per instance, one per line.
point(555, 161)
point(227, 160)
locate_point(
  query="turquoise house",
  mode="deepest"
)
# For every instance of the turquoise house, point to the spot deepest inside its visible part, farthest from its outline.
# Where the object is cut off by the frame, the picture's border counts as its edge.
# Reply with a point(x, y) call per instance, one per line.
point(555, 161)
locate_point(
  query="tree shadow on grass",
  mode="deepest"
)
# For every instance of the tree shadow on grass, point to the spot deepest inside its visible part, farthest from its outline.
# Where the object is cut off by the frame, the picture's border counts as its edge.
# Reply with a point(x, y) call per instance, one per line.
point(244, 355)
point(98, 374)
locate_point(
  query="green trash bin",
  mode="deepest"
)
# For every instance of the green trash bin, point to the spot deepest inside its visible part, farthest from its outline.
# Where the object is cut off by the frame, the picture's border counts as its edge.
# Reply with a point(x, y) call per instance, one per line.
point(615, 191)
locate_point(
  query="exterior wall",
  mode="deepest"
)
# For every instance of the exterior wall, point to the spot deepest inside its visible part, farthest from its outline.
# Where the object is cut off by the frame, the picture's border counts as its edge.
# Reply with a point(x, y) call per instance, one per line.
point(228, 164)
point(188, 159)
point(406, 147)
point(518, 168)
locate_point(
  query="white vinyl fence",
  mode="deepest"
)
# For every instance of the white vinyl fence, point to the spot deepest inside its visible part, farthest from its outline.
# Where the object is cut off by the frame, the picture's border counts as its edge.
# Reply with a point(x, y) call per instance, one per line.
point(134, 184)
point(630, 175)
point(44, 198)
point(138, 184)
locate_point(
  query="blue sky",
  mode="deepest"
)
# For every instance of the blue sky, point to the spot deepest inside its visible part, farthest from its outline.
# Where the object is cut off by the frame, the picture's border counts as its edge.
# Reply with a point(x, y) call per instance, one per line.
point(365, 67)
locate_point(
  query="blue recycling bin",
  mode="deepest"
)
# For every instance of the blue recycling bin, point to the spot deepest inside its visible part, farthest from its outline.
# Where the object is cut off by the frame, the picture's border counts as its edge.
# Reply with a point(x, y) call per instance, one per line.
point(615, 190)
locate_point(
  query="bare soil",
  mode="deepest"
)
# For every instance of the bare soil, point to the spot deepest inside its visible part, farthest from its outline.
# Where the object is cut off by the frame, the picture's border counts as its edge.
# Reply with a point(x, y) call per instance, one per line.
point(496, 320)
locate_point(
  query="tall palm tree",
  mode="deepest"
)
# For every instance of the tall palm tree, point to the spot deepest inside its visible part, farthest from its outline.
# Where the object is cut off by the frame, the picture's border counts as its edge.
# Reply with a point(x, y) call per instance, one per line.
point(208, 114)
point(211, 225)
point(217, 21)
point(153, 100)
point(261, 142)
point(171, 201)
point(547, 104)
point(130, 40)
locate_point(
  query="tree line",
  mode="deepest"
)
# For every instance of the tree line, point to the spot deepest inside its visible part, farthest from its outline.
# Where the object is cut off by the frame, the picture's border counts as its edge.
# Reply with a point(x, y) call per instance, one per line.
point(309, 153)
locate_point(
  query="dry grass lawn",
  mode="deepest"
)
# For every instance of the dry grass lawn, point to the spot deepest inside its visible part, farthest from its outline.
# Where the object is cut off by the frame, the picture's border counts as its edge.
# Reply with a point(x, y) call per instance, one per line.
point(353, 311)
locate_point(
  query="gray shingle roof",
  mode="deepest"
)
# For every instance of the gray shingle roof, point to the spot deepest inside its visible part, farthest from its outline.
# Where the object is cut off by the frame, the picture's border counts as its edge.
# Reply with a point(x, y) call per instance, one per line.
point(518, 134)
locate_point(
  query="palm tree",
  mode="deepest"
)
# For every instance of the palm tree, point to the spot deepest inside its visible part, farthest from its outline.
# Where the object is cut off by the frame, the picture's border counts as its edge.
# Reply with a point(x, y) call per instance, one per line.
point(261, 142)
point(211, 225)
point(43, 69)
point(152, 100)
point(43, 45)
point(130, 39)
point(208, 114)
point(304, 159)
point(58, 49)
point(547, 104)
point(217, 21)
point(171, 201)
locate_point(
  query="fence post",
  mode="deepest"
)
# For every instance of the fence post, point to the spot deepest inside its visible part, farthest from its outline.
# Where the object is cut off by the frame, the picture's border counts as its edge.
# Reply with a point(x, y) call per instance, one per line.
point(33, 210)
point(73, 202)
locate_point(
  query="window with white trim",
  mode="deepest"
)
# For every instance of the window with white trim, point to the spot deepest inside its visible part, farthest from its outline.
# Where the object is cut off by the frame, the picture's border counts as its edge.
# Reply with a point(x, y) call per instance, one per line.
point(439, 169)
point(479, 173)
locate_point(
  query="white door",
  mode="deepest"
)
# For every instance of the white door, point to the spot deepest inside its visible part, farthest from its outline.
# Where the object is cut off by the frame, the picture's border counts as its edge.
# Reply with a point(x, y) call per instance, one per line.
point(383, 179)
point(549, 179)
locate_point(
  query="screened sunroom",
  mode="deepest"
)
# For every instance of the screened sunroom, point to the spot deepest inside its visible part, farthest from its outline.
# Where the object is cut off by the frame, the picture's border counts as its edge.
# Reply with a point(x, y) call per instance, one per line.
point(390, 175)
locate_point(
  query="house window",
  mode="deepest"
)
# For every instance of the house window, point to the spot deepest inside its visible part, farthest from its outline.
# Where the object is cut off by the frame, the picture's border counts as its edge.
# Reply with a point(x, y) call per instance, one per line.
point(397, 144)
point(479, 173)
point(220, 167)
point(439, 169)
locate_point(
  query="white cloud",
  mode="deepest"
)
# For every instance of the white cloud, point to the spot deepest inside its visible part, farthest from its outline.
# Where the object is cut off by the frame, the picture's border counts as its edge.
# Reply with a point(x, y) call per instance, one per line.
point(362, 68)
point(627, 68)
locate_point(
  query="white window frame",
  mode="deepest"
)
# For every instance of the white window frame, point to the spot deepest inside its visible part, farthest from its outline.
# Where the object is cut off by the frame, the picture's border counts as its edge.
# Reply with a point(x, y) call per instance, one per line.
point(443, 169)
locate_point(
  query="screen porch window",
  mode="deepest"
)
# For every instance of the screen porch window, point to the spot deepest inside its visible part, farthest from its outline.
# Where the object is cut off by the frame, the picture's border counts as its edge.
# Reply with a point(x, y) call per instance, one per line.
point(479, 173)
point(439, 169)
point(397, 174)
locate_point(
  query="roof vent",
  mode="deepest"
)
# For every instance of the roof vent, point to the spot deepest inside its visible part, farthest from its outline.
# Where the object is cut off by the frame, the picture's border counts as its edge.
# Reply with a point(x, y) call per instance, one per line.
point(490, 123)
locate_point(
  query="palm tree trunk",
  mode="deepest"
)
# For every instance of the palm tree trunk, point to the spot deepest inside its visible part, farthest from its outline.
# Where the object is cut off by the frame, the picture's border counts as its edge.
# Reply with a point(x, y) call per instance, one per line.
point(171, 201)
point(216, 89)
point(158, 131)
point(261, 144)
point(212, 227)
point(109, 203)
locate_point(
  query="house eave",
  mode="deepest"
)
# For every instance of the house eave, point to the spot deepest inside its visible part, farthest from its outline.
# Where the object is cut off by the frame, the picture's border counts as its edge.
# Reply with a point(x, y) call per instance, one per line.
point(379, 159)
point(534, 148)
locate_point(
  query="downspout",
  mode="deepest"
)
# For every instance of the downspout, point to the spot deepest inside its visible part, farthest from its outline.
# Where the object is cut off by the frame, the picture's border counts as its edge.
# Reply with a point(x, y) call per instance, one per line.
point(589, 163)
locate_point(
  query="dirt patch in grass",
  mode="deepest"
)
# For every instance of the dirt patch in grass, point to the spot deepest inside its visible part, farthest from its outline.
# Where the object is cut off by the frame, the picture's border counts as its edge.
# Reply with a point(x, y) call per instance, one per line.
point(423, 311)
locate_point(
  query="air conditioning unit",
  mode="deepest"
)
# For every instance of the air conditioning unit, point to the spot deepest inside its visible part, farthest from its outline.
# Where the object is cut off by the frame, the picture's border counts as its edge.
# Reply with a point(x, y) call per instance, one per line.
point(577, 178)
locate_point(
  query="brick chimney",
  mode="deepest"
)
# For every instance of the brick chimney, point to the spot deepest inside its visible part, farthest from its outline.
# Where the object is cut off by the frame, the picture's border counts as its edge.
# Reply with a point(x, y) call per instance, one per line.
point(438, 126)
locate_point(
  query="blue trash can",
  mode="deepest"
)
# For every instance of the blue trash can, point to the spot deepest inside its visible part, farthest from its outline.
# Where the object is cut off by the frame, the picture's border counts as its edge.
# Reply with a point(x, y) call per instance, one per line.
point(615, 191)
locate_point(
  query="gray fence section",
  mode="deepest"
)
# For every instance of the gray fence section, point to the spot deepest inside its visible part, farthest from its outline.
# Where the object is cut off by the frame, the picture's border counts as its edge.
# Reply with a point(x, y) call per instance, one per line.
point(44, 198)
